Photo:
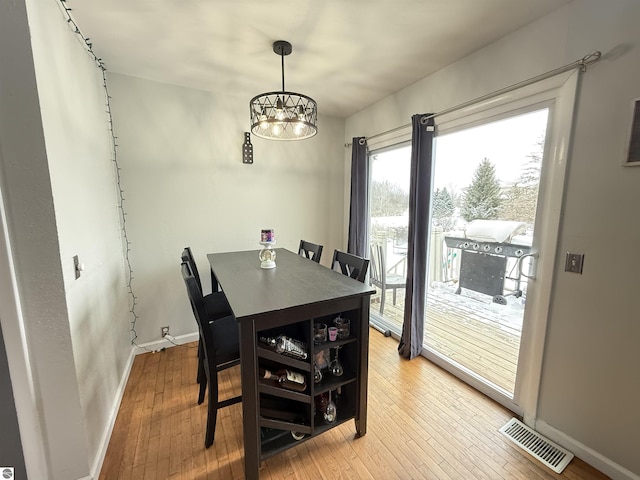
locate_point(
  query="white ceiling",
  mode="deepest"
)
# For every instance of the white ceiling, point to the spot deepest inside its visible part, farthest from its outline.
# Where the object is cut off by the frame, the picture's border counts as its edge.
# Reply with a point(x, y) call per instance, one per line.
point(347, 54)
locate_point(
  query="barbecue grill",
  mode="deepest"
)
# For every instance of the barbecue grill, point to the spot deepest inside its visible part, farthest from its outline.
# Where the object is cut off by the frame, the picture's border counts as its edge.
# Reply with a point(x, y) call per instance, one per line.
point(485, 249)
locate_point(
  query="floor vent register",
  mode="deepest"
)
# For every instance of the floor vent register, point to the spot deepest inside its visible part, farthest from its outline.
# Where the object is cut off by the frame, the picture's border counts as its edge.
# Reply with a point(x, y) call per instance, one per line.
point(552, 455)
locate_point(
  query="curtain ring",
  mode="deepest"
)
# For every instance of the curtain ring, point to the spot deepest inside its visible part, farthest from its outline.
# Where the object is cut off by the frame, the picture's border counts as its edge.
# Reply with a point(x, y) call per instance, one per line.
point(362, 141)
point(424, 120)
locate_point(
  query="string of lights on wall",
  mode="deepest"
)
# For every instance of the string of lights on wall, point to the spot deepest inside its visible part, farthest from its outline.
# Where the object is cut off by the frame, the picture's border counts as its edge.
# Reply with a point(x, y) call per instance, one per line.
point(86, 42)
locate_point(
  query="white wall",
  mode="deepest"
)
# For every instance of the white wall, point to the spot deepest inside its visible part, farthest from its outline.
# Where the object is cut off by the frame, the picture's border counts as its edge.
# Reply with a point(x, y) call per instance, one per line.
point(590, 389)
point(17, 73)
point(59, 194)
point(185, 185)
point(73, 108)
point(591, 377)
point(38, 341)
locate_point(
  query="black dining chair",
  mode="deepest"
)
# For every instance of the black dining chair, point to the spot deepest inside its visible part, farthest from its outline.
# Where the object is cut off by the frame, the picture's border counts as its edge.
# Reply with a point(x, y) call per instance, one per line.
point(382, 278)
point(215, 303)
point(351, 265)
point(310, 250)
point(215, 306)
point(220, 346)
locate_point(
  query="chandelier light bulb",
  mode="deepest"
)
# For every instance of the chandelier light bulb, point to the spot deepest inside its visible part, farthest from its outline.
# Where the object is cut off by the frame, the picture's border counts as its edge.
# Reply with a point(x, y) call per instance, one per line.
point(263, 121)
point(279, 110)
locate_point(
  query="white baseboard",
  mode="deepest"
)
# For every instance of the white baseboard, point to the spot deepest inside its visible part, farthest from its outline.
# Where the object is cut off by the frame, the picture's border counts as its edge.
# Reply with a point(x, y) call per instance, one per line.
point(102, 452)
point(155, 346)
point(167, 342)
point(593, 458)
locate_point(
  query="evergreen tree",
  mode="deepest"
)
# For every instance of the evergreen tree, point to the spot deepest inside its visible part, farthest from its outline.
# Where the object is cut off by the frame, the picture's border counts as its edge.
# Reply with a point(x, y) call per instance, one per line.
point(482, 198)
point(443, 209)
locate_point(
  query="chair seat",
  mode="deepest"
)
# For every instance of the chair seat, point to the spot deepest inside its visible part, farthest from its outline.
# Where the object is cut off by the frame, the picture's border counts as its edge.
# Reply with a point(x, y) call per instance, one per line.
point(393, 279)
point(383, 279)
point(226, 330)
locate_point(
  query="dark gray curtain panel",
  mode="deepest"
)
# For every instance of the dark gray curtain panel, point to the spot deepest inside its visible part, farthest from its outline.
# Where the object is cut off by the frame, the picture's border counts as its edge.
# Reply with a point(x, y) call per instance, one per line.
point(419, 204)
point(359, 205)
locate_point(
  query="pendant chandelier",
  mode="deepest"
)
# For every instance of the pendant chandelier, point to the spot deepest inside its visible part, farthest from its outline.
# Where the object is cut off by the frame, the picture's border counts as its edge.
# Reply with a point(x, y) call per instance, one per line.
point(283, 115)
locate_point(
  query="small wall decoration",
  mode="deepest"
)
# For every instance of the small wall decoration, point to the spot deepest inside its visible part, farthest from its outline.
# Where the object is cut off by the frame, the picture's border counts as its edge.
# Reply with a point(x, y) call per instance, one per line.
point(633, 154)
point(247, 149)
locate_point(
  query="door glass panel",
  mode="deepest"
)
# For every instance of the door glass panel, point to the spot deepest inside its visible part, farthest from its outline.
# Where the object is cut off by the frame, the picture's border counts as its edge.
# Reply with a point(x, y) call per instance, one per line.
point(388, 228)
point(485, 190)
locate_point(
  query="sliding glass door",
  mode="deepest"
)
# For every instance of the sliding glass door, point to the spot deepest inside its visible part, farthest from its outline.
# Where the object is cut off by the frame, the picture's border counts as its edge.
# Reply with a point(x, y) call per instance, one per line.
point(389, 205)
point(485, 186)
point(485, 190)
point(497, 187)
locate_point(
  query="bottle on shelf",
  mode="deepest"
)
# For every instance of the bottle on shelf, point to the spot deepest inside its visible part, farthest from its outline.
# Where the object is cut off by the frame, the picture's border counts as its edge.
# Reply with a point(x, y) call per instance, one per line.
point(285, 378)
point(287, 346)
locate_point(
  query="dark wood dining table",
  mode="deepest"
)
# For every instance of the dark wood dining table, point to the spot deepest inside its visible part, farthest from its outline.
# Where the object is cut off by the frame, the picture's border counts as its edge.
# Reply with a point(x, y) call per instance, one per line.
point(296, 290)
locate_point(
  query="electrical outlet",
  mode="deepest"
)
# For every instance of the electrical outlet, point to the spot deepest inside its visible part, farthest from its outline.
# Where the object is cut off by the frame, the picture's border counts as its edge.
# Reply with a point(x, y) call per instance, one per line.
point(165, 331)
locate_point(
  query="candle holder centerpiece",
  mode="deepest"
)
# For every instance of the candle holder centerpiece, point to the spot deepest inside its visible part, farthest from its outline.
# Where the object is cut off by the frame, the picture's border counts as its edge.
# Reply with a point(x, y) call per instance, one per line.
point(267, 255)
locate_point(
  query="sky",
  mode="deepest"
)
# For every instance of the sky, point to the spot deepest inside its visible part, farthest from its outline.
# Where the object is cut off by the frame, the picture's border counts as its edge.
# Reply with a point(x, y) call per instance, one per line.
point(507, 143)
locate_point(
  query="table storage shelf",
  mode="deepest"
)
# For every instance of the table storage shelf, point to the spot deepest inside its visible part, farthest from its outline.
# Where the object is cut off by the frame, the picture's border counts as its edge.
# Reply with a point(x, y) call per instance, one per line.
point(343, 387)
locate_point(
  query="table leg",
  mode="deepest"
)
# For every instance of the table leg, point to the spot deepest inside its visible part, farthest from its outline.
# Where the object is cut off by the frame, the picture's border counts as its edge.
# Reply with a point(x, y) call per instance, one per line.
point(250, 414)
point(361, 408)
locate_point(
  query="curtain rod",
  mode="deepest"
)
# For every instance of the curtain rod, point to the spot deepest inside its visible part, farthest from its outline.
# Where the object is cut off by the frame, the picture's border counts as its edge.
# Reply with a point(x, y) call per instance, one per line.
point(592, 57)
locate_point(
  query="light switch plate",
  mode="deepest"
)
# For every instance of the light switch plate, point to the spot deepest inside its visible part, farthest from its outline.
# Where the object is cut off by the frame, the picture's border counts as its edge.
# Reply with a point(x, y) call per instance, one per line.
point(574, 262)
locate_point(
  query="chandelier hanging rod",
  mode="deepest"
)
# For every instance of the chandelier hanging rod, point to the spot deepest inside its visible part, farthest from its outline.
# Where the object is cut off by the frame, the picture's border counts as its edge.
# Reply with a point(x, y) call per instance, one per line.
point(282, 54)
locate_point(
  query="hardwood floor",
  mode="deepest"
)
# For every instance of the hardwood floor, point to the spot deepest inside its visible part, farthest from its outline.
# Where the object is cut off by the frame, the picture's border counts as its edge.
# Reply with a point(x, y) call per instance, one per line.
point(423, 423)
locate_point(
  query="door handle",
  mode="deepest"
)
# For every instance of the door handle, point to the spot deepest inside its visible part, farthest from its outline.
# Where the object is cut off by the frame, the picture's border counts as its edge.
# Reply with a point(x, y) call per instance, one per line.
point(520, 260)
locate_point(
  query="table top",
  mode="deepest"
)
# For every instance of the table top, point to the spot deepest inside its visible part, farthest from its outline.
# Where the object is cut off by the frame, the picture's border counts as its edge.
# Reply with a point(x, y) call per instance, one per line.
point(295, 281)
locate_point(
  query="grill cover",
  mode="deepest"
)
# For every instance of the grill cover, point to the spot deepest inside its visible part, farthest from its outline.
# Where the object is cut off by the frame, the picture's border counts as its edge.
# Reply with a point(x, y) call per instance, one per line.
point(494, 231)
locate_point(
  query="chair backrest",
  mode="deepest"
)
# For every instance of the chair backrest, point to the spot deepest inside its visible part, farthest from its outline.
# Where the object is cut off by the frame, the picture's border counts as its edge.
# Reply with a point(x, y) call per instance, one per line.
point(197, 305)
point(187, 256)
point(310, 250)
point(350, 265)
point(377, 265)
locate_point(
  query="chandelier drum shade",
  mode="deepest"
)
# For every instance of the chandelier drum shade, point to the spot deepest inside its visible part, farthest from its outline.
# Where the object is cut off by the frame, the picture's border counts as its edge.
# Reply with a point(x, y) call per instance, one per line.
point(283, 115)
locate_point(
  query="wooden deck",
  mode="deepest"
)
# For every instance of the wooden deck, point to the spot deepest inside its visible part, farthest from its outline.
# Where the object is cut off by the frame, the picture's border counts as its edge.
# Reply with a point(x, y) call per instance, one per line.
point(469, 329)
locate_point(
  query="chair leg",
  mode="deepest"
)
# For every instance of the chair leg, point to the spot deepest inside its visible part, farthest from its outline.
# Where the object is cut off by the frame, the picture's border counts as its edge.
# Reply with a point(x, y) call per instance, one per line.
point(394, 295)
point(203, 388)
point(202, 377)
point(382, 296)
point(212, 408)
